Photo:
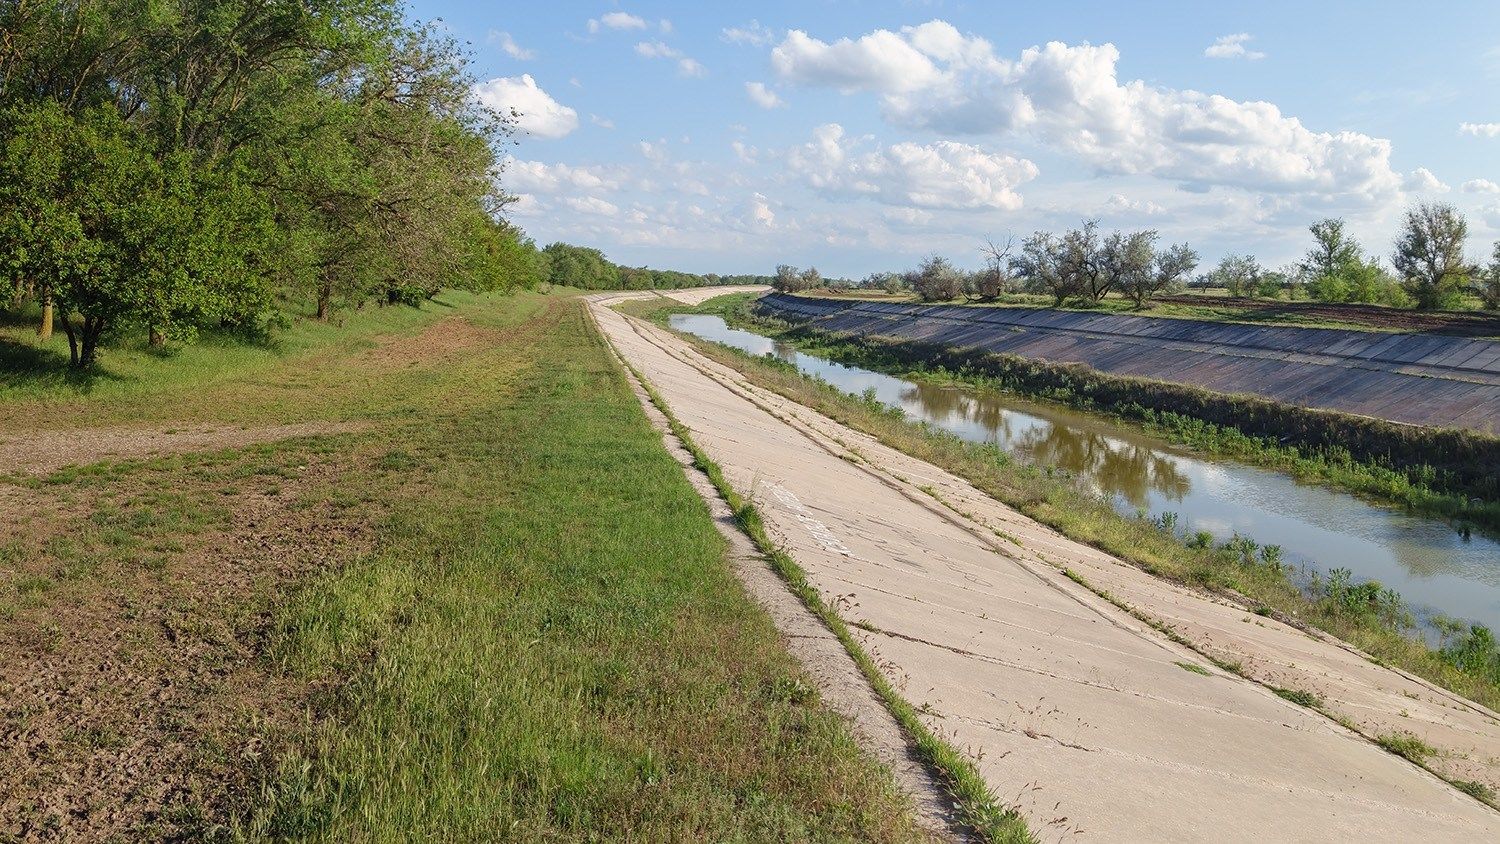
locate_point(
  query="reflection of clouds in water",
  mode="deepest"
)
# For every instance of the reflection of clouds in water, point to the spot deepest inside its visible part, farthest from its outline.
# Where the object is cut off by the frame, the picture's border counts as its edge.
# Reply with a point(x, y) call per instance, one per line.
point(1111, 466)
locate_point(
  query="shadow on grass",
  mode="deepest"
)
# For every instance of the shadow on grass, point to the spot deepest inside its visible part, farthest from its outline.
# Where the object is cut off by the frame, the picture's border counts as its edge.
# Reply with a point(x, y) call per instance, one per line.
point(25, 365)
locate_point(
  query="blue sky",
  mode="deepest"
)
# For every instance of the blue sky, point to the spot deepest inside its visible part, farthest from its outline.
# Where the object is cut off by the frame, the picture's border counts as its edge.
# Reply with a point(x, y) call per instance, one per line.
point(862, 136)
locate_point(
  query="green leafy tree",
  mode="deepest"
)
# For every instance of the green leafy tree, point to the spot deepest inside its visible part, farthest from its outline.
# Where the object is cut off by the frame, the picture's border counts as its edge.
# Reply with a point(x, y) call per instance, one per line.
point(1429, 254)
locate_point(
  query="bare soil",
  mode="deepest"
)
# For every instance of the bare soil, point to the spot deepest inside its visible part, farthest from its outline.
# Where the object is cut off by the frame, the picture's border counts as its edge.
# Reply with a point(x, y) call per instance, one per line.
point(135, 702)
point(45, 451)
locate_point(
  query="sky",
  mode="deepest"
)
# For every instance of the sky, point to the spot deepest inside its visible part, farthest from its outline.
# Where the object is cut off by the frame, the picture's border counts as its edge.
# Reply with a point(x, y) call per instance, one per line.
point(860, 136)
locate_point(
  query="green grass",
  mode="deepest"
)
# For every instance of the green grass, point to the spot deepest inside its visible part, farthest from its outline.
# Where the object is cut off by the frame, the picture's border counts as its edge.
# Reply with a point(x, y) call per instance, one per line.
point(1407, 746)
point(1194, 668)
point(981, 807)
point(548, 643)
point(1298, 696)
point(1059, 504)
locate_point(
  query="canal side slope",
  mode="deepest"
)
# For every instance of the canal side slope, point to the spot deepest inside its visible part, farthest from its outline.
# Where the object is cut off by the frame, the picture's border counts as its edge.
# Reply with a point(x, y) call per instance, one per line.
point(1090, 720)
point(1416, 379)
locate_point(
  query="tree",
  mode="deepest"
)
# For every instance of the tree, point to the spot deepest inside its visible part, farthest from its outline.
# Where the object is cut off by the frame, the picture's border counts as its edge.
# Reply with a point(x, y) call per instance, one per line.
point(1160, 273)
point(1488, 288)
point(1040, 263)
point(810, 279)
point(1333, 250)
point(1429, 254)
point(787, 278)
point(994, 279)
point(1127, 262)
point(1240, 275)
point(1083, 257)
point(936, 280)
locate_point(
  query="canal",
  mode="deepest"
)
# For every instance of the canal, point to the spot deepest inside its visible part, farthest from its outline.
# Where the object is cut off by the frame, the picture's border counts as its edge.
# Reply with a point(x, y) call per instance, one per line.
point(1432, 565)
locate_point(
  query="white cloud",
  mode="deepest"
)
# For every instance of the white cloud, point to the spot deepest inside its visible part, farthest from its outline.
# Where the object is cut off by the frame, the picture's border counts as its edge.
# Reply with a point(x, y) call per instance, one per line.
point(616, 20)
point(509, 46)
point(751, 33)
point(1232, 47)
point(538, 177)
point(653, 151)
point(591, 205)
point(1421, 180)
point(1120, 204)
point(604, 122)
point(881, 61)
point(762, 96)
point(664, 25)
point(659, 50)
point(760, 214)
point(656, 50)
point(1480, 186)
point(746, 154)
point(537, 113)
point(935, 78)
point(940, 175)
point(1486, 130)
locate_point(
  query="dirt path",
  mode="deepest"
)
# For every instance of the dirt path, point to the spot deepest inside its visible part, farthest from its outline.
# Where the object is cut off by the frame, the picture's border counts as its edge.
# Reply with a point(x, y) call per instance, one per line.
point(43, 452)
point(1092, 722)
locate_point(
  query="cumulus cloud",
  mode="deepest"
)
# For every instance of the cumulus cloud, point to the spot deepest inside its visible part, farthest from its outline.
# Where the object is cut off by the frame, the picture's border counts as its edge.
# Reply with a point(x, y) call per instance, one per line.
point(1421, 180)
point(751, 33)
point(1232, 47)
point(1484, 130)
point(509, 46)
point(762, 96)
point(603, 122)
point(691, 67)
point(936, 78)
point(1480, 186)
point(537, 113)
point(941, 175)
point(616, 20)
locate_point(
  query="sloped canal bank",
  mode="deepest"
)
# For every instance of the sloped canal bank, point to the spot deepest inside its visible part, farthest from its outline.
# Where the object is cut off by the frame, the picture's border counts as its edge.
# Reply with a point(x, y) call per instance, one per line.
point(1434, 567)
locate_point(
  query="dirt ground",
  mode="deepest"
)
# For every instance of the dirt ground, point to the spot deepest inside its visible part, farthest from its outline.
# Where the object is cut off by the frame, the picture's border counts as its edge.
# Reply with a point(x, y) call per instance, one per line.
point(132, 695)
point(46, 451)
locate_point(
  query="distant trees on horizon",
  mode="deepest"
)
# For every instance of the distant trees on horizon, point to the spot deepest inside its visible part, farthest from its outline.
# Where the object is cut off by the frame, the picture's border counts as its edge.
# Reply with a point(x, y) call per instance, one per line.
point(1428, 268)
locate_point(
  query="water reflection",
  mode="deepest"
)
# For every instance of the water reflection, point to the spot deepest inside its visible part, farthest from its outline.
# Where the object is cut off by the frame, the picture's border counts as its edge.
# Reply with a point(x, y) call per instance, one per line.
point(1425, 560)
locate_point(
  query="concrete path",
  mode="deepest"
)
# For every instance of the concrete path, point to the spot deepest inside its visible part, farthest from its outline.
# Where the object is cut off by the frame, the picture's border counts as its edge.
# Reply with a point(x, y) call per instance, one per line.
point(1091, 722)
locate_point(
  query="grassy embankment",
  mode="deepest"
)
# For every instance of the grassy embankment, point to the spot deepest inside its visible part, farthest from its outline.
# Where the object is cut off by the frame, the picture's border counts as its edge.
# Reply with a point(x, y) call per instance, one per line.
point(525, 629)
point(1216, 306)
point(1372, 620)
point(1379, 460)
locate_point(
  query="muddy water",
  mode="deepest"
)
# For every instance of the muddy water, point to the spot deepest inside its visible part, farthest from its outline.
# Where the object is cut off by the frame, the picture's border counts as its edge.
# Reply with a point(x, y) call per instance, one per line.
point(1432, 565)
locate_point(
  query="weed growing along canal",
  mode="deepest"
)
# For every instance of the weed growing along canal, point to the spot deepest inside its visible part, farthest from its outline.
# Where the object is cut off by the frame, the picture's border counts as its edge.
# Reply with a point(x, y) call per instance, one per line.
point(1376, 623)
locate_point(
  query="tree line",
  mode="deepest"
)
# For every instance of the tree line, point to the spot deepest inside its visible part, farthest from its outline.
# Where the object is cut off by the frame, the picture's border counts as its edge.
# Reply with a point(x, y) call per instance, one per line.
point(587, 268)
point(1428, 268)
point(170, 168)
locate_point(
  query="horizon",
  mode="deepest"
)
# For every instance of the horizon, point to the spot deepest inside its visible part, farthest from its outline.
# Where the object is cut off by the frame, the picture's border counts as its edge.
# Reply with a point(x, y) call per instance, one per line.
point(859, 139)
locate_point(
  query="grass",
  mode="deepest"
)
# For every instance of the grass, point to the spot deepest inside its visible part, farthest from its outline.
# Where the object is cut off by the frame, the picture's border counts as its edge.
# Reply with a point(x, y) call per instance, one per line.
point(548, 642)
point(1056, 502)
point(1206, 309)
point(981, 808)
point(544, 639)
point(1406, 746)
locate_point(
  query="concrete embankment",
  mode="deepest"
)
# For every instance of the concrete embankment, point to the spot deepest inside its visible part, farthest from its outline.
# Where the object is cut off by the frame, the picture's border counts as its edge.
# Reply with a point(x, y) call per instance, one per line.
point(1416, 379)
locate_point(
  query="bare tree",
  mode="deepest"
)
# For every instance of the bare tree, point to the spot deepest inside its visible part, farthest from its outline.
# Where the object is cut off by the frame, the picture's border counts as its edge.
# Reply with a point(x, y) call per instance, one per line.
point(1429, 254)
point(986, 285)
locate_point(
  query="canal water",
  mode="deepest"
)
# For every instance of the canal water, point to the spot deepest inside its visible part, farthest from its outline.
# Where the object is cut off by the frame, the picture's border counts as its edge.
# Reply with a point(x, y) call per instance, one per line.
point(1433, 566)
